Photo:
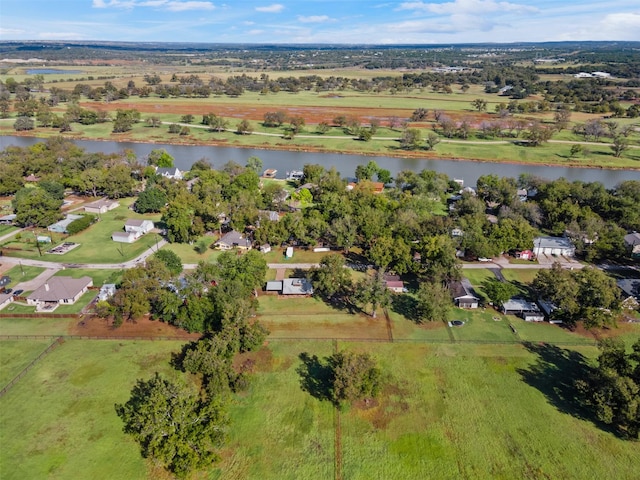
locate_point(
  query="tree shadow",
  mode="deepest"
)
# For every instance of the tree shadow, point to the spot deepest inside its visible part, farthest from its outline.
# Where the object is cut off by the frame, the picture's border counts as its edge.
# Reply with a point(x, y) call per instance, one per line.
point(405, 305)
point(315, 376)
point(555, 373)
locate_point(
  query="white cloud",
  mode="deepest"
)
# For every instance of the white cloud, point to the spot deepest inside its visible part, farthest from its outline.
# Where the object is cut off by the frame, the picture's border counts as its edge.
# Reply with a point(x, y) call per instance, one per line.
point(472, 7)
point(255, 32)
point(61, 36)
point(10, 31)
point(313, 19)
point(275, 8)
point(184, 6)
point(170, 5)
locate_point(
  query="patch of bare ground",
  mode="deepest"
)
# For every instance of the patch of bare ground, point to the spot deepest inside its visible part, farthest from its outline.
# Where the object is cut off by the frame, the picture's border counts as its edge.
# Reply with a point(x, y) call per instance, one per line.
point(143, 327)
point(382, 410)
point(257, 361)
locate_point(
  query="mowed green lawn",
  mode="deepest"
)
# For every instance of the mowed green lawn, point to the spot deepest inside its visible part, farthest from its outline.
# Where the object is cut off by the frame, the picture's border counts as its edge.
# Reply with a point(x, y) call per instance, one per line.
point(34, 326)
point(95, 244)
point(59, 421)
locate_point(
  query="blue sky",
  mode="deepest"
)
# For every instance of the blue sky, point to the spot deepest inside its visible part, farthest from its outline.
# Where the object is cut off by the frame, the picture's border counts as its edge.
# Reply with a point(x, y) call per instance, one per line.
point(320, 21)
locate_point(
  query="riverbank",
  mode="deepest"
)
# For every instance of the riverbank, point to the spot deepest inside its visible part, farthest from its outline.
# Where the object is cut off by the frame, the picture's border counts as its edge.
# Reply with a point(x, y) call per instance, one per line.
point(552, 154)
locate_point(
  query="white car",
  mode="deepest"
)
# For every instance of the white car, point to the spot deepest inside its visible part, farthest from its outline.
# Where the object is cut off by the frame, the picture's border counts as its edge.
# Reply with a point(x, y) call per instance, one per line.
point(484, 259)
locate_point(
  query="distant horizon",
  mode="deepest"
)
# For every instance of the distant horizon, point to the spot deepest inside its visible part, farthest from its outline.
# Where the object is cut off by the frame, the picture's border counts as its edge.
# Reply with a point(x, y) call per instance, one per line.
point(333, 22)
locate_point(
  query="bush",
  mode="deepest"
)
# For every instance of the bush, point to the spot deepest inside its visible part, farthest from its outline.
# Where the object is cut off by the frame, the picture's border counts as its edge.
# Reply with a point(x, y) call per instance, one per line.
point(80, 224)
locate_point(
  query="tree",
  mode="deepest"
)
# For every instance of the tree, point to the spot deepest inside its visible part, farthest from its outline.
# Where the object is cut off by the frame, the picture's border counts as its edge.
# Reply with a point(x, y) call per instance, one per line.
point(479, 104)
point(255, 163)
point(433, 302)
point(576, 149)
point(35, 207)
point(23, 123)
point(499, 292)
point(418, 115)
point(410, 139)
point(354, 376)
point(620, 144)
point(173, 425)
point(372, 291)
point(160, 158)
point(331, 278)
point(538, 134)
point(244, 128)
point(612, 390)
point(171, 260)
point(186, 118)
point(322, 128)
point(178, 218)
point(432, 140)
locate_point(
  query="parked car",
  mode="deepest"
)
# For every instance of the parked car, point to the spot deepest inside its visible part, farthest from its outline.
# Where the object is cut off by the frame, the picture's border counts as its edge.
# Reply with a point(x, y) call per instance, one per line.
point(484, 259)
point(8, 290)
point(17, 293)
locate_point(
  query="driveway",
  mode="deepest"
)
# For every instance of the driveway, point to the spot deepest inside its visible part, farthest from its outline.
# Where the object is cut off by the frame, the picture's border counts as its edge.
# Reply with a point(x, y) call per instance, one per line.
point(32, 284)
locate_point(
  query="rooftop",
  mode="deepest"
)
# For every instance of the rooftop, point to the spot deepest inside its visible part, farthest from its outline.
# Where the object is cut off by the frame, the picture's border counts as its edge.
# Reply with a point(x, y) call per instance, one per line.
point(552, 242)
point(58, 288)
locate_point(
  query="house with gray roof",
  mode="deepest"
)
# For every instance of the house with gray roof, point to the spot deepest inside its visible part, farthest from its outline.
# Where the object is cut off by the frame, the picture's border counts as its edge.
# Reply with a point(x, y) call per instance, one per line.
point(101, 206)
point(61, 226)
point(59, 291)
point(233, 239)
point(138, 226)
point(556, 246)
point(632, 241)
point(463, 294)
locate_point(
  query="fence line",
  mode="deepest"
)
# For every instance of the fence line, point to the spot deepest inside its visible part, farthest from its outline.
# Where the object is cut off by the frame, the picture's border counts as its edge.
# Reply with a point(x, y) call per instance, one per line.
point(24, 371)
point(434, 341)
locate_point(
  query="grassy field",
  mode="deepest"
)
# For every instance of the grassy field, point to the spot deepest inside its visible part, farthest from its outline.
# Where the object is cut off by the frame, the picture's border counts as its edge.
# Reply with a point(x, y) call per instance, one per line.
point(78, 433)
point(99, 277)
point(15, 355)
point(35, 326)
point(446, 411)
point(187, 252)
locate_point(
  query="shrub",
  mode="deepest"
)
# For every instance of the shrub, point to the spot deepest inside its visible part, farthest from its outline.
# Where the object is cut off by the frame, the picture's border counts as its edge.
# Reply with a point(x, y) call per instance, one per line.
point(80, 224)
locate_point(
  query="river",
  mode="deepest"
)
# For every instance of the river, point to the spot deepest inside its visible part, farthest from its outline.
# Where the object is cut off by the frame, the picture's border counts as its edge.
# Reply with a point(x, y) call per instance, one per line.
point(284, 161)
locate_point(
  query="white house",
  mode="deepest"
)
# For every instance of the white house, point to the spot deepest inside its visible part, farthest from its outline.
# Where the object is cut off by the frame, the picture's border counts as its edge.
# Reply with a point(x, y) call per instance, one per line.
point(101, 206)
point(59, 291)
point(556, 246)
point(124, 237)
point(138, 226)
point(463, 294)
point(173, 173)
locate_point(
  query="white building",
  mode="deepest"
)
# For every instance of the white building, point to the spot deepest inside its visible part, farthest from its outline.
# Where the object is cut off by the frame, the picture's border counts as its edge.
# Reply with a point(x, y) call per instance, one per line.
point(138, 226)
point(556, 246)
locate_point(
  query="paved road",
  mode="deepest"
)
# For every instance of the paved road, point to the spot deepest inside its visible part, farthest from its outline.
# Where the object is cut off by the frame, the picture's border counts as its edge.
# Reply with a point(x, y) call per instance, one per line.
point(103, 266)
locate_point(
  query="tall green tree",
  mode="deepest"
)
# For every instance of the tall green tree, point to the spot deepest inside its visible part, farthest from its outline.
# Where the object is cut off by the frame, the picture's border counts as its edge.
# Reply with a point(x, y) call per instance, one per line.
point(372, 291)
point(433, 303)
point(331, 278)
point(613, 388)
point(35, 207)
point(173, 425)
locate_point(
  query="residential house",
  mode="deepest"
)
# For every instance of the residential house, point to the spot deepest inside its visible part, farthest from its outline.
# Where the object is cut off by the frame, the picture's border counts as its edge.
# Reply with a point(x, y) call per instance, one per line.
point(525, 255)
point(631, 292)
point(270, 215)
point(101, 206)
point(394, 283)
point(125, 237)
point(31, 179)
point(138, 226)
point(61, 226)
point(548, 308)
point(8, 219)
point(632, 241)
point(556, 246)
point(375, 187)
point(529, 311)
point(5, 299)
point(290, 286)
point(59, 291)
point(295, 175)
point(169, 172)
point(233, 239)
point(463, 294)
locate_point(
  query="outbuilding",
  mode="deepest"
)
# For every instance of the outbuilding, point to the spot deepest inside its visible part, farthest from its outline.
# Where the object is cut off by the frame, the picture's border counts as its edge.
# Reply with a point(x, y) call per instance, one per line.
point(556, 246)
